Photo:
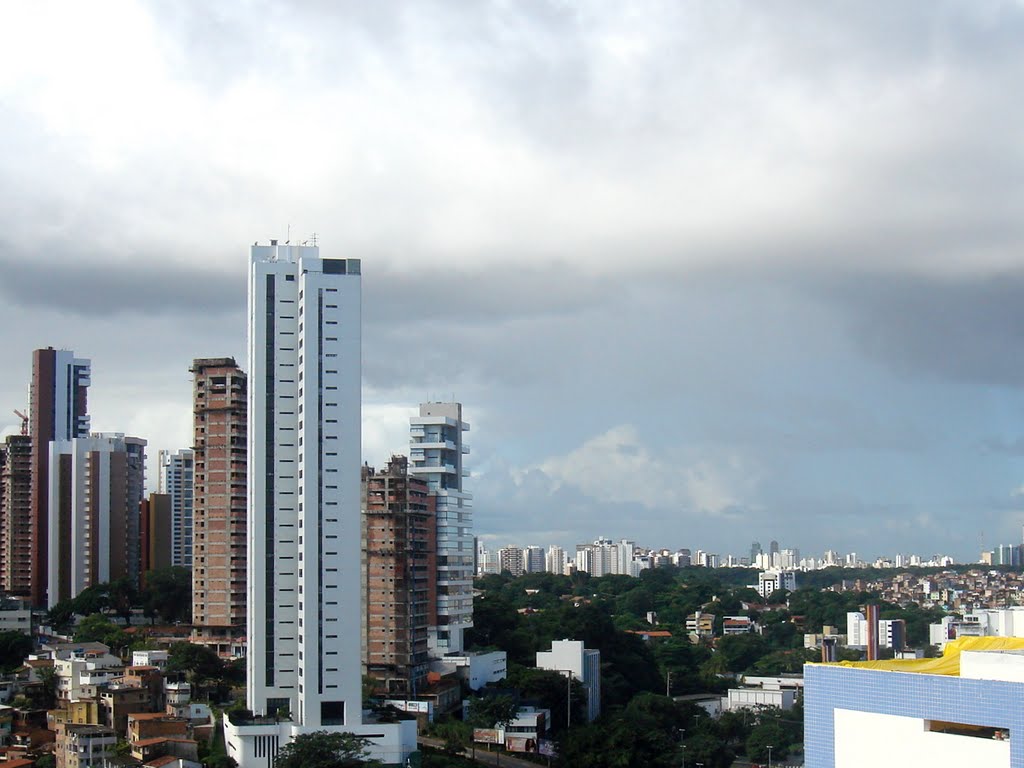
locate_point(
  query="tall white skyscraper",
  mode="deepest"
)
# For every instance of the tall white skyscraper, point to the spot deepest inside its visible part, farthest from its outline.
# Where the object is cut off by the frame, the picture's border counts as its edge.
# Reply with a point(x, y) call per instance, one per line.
point(175, 478)
point(304, 349)
point(435, 454)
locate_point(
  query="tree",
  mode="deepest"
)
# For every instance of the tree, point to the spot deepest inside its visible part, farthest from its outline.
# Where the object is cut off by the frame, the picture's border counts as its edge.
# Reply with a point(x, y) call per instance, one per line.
point(202, 664)
point(323, 749)
point(764, 734)
point(97, 628)
point(168, 594)
point(14, 647)
point(492, 711)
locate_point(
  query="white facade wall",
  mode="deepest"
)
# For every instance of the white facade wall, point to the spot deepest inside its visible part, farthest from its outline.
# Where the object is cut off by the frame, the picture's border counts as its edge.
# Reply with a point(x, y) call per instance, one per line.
point(570, 657)
point(868, 739)
point(856, 630)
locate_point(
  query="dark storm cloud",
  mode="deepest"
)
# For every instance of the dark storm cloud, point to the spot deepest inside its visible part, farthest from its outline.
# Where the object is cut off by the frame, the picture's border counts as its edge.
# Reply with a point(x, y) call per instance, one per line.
point(967, 329)
point(74, 285)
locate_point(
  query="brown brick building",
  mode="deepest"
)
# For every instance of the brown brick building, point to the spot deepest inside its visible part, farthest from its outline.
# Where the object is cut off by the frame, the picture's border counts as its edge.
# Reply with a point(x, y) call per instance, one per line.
point(156, 547)
point(399, 602)
point(219, 527)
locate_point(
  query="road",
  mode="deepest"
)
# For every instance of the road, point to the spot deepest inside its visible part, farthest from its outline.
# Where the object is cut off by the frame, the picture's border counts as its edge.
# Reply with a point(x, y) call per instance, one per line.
point(483, 756)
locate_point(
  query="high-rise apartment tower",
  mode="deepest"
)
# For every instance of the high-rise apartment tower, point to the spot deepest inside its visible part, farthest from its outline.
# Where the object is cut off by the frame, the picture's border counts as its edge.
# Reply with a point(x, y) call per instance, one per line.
point(175, 477)
point(58, 410)
point(95, 491)
point(436, 452)
point(304, 347)
point(399, 553)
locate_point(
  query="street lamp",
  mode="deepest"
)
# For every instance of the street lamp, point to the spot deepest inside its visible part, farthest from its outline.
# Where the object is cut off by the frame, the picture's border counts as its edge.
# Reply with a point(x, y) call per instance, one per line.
point(769, 748)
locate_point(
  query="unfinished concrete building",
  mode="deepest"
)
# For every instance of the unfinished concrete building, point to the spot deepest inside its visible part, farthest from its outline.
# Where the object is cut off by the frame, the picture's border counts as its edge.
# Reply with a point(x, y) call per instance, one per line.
point(218, 515)
point(399, 553)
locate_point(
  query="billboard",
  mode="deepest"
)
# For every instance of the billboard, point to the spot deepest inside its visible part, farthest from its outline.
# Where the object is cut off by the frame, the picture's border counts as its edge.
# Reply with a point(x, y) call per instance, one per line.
point(520, 744)
point(487, 735)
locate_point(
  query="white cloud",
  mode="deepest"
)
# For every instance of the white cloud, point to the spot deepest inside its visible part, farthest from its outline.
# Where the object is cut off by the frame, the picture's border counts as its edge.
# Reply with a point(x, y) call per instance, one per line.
point(617, 467)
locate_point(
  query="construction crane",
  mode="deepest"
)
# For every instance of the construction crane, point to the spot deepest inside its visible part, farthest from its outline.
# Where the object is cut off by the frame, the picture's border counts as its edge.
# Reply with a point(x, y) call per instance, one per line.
point(24, 421)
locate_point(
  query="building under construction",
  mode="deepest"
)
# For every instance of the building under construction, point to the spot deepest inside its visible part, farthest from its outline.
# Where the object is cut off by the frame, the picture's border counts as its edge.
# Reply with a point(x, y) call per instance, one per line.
point(399, 600)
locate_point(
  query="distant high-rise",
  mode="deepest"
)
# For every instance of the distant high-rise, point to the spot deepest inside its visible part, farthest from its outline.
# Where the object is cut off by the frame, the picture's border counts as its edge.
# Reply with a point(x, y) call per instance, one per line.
point(436, 453)
point(218, 507)
point(58, 410)
point(510, 560)
point(303, 579)
point(533, 559)
point(16, 515)
point(155, 533)
point(399, 551)
point(554, 560)
point(175, 478)
point(95, 491)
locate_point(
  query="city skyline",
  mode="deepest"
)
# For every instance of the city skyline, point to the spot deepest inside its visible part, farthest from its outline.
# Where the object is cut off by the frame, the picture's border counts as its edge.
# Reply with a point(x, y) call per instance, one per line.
point(742, 269)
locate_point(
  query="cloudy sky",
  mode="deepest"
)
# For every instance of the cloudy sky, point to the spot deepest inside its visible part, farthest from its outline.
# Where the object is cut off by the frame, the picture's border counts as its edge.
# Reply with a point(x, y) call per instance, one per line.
point(701, 273)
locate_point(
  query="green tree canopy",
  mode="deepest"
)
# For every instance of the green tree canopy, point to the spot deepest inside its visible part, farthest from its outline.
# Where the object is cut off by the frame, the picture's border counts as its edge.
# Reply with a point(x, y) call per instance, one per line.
point(323, 749)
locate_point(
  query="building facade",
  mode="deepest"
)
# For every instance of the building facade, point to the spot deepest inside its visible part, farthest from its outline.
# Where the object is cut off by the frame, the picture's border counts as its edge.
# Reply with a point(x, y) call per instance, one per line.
point(219, 502)
point(584, 664)
point(58, 410)
point(304, 406)
point(16, 515)
point(399, 551)
point(436, 454)
point(948, 711)
point(155, 533)
point(175, 478)
point(95, 492)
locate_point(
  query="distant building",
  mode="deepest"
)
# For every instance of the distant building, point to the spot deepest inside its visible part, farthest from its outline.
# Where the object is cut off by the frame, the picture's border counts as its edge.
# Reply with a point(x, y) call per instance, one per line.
point(95, 490)
point(584, 664)
point(175, 478)
point(774, 580)
point(554, 560)
point(475, 668)
point(16, 515)
point(533, 559)
point(58, 410)
point(511, 559)
point(156, 533)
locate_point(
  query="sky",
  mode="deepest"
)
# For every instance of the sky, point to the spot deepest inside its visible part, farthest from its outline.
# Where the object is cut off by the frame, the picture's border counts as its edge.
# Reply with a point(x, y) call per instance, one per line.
point(700, 273)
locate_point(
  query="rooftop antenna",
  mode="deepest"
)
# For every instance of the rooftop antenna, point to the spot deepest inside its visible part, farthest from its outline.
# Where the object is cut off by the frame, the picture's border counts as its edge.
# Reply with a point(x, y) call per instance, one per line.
point(314, 238)
point(289, 240)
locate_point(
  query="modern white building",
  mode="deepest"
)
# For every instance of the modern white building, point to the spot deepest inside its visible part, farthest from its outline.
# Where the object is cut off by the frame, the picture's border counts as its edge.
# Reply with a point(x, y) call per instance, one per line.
point(584, 664)
point(175, 478)
point(476, 668)
point(303, 591)
point(436, 451)
point(962, 709)
point(773, 580)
